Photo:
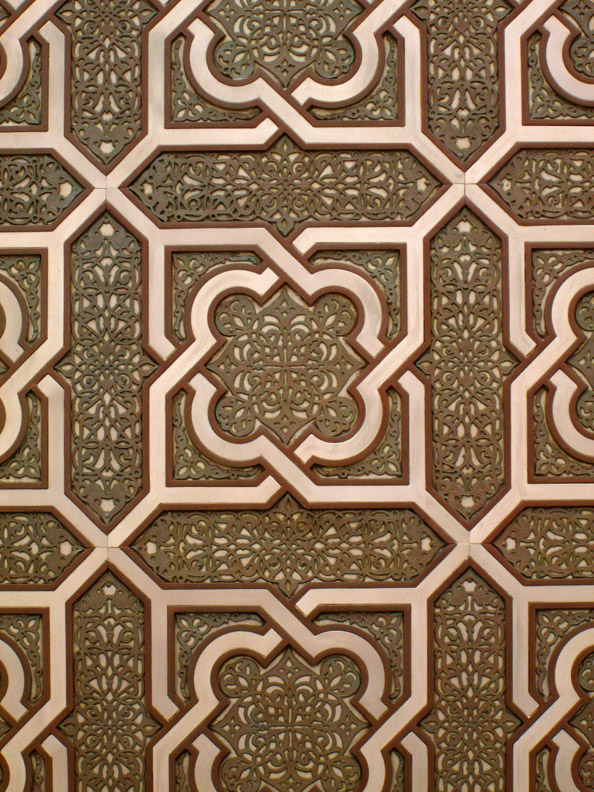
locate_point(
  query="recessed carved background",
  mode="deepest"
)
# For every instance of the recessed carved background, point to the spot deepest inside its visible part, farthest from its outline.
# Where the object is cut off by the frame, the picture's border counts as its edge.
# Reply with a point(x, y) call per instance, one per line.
point(297, 396)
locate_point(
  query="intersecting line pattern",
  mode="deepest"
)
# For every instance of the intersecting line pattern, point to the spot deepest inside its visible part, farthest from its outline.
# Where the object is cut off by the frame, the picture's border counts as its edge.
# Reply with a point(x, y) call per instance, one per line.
point(296, 395)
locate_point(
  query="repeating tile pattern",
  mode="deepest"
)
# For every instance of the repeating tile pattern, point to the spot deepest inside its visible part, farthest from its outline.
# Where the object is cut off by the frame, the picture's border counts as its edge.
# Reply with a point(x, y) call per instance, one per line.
point(296, 395)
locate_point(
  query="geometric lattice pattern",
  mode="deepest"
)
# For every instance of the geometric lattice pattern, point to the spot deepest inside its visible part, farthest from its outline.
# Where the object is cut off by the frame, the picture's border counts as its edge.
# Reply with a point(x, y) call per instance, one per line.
point(296, 395)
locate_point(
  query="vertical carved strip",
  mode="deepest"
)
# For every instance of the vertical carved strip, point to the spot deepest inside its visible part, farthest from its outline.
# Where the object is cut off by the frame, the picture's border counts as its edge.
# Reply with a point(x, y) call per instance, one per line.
point(462, 70)
point(182, 772)
point(106, 73)
point(106, 367)
point(470, 723)
point(467, 363)
point(553, 629)
point(110, 725)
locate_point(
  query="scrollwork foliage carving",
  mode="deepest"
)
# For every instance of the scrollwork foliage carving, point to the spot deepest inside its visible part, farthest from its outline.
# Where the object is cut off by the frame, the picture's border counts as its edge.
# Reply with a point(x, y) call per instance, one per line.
point(550, 459)
point(182, 772)
point(106, 367)
point(398, 772)
point(283, 37)
point(548, 265)
point(36, 189)
point(290, 724)
point(552, 626)
point(38, 773)
point(25, 109)
point(541, 776)
point(382, 266)
point(187, 105)
point(25, 272)
point(386, 628)
point(462, 70)
point(581, 49)
point(26, 631)
point(106, 80)
point(289, 546)
point(548, 184)
point(384, 461)
point(467, 363)
point(108, 351)
point(35, 548)
point(470, 721)
point(544, 102)
point(25, 465)
point(583, 721)
point(4, 729)
point(380, 104)
point(545, 543)
point(192, 464)
point(582, 361)
point(326, 186)
point(191, 632)
point(286, 365)
point(189, 267)
point(109, 726)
